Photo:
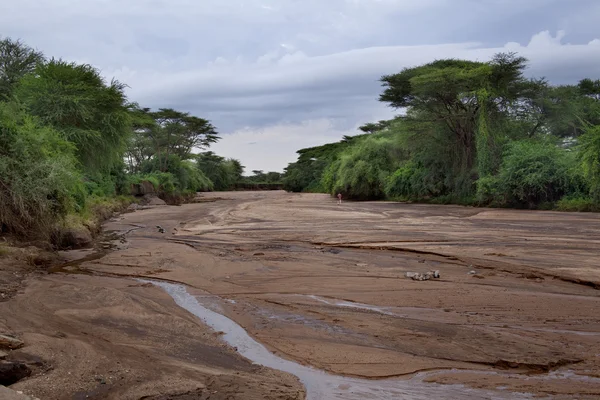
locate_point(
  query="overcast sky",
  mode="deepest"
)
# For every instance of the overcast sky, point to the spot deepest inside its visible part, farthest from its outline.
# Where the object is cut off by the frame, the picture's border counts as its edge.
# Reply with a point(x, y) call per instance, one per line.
point(275, 76)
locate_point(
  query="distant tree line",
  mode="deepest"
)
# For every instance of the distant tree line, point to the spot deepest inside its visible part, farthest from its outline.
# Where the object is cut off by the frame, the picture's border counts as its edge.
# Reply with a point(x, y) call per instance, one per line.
point(477, 133)
point(72, 143)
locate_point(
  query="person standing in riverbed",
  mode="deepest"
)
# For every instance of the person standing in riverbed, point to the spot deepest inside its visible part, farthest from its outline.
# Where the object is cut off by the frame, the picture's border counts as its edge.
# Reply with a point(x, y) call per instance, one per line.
point(339, 196)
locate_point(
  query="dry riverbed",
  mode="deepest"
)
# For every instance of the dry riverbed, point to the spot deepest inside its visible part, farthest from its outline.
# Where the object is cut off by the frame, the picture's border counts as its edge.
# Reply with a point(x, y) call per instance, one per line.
point(323, 285)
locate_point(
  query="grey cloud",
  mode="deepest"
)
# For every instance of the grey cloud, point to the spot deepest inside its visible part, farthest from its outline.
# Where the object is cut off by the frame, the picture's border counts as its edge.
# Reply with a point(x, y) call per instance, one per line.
point(261, 63)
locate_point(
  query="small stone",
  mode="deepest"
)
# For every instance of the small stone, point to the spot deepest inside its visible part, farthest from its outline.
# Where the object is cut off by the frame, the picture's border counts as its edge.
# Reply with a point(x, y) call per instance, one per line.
point(472, 272)
point(10, 342)
point(3, 355)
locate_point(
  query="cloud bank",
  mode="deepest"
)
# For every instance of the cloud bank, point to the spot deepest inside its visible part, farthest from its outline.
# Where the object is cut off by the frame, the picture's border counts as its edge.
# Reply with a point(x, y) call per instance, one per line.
point(278, 75)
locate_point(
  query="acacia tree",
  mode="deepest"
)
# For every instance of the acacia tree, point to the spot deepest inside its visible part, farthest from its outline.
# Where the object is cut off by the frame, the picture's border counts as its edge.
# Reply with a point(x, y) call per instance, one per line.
point(178, 133)
point(373, 127)
point(16, 60)
point(454, 93)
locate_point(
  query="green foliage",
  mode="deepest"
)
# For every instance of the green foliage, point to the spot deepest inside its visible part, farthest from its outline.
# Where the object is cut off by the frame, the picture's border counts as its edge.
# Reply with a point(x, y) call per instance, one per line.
point(531, 173)
point(39, 179)
point(578, 203)
point(373, 127)
point(471, 133)
point(75, 100)
point(362, 171)
point(449, 92)
point(16, 60)
point(590, 157)
point(413, 181)
point(64, 135)
point(306, 174)
point(165, 133)
point(180, 177)
point(222, 173)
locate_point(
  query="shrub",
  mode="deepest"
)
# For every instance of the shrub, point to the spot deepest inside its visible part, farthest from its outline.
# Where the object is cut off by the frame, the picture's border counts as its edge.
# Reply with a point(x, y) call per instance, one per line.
point(362, 170)
point(39, 179)
point(412, 181)
point(531, 173)
point(179, 177)
point(578, 203)
point(589, 146)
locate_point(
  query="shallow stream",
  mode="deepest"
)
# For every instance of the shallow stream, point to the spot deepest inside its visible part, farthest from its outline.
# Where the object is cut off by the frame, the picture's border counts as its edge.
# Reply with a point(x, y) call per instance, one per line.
point(321, 385)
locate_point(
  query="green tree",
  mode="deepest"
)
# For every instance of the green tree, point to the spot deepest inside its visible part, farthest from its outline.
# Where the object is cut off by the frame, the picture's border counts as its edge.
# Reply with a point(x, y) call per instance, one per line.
point(16, 60)
point(373, 127)
point(448, 92)
point(76, 101)
point(140, 147)
point(221, 173)
point(179, 133)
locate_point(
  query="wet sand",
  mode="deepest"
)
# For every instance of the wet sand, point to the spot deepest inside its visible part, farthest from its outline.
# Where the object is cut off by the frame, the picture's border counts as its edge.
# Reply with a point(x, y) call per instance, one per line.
point(322, 285)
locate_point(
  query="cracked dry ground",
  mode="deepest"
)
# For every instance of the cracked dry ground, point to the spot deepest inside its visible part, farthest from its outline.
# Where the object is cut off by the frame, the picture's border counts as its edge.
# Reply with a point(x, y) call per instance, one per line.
point(322, 284)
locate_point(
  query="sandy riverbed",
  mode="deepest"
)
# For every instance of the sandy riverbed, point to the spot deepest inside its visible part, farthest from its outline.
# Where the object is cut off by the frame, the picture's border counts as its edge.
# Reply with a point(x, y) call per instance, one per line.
point(323, 285)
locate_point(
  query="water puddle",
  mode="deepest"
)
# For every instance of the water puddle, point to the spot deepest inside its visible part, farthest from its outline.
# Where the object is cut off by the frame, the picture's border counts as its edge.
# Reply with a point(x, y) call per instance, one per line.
point(319, 384)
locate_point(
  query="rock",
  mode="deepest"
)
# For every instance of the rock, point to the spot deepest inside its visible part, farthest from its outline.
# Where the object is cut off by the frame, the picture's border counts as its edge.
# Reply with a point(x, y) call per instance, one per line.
point(362, 265)
point(133, 207)
point(13, 372)
point(152, 200)
point(416, 276)
point(3, 355)
point(9, 342)
point(142, 188)
point(472, 272)
point(75, 238)
point(9, 394)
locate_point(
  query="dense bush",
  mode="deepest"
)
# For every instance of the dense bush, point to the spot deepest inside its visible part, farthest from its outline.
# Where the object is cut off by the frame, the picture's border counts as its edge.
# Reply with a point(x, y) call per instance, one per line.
point(178, 177)
point(590, 156)
point(362, 171)
point(223, 173)
point(39, 179)
point(413, 181)
point(532, 173)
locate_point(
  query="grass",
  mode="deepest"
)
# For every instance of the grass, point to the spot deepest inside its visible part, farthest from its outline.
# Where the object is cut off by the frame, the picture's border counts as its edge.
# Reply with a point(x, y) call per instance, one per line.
point(96, 211)
point(580, 204)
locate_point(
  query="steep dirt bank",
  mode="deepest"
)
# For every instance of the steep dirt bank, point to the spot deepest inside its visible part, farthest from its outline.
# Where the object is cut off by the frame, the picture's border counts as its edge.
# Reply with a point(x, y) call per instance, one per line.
point(324, 285)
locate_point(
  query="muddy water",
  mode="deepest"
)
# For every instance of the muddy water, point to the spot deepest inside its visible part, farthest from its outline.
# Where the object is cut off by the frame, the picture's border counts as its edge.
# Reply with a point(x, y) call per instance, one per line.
point(319, 384)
